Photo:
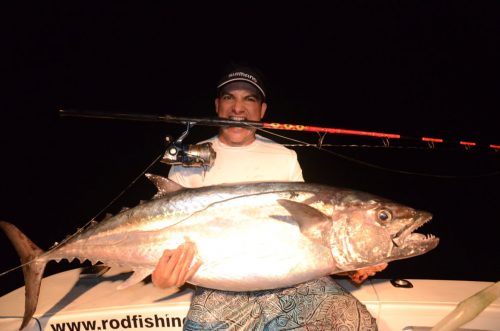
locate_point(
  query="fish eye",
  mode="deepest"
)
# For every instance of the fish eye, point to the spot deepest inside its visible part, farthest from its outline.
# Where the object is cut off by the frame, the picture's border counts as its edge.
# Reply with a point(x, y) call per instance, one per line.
point(384, 215)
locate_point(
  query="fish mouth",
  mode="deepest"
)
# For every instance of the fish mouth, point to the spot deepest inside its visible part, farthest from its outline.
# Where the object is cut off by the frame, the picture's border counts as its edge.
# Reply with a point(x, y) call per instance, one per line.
point(410, 243)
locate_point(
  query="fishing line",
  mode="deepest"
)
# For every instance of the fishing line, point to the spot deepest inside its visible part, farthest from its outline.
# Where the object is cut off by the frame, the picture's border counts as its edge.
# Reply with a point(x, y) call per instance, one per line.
point(322, 131)
point(320, 146)
point(91, 222)
point(15, 268)
point(431, 141)
point(116, 198)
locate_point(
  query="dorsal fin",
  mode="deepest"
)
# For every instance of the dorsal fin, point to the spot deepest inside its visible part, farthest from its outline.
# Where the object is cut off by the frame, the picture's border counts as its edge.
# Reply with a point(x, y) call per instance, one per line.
point(312, 223)
point(163, 185)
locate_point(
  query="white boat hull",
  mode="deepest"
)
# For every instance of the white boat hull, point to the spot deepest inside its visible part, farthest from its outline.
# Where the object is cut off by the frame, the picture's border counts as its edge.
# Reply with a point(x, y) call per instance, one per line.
point(69, 301)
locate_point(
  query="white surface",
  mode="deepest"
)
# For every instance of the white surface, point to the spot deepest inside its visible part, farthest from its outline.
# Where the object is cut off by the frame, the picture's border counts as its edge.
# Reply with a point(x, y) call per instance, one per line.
point(428, 302)
point(65, 298)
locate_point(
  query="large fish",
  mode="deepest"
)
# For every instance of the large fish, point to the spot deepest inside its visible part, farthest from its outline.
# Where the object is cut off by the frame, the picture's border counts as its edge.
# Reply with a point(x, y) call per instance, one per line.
point(249, 236)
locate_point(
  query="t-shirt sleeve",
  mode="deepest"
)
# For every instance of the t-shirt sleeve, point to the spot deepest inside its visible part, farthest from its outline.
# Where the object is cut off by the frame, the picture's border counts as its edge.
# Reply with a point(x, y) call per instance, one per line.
point(173, 174)
point(296, 170)
point(183, 176)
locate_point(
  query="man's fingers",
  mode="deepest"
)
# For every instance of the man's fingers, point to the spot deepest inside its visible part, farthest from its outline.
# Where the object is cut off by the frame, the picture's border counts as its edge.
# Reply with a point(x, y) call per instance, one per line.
point(174, 267)
point(187, 258)
point(362, 278)
point(164, 274)
point(193, 269)
point(359, 278)
point(158, 272)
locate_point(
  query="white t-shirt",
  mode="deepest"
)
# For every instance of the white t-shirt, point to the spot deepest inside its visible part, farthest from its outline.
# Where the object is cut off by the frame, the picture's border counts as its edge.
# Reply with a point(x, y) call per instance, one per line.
point(262, 160)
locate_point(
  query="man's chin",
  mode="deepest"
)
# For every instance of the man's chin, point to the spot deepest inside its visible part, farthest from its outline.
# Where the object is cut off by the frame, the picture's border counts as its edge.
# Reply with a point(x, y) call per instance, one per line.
point(237, 130)
point(237, 136)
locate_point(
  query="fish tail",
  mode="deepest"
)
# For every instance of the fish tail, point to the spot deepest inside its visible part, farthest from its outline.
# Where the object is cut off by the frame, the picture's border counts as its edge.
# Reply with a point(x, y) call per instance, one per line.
point(32, 267)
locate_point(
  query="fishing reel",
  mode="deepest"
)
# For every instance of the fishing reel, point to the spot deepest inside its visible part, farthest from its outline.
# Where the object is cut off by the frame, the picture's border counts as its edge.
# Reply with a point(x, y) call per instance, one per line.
point(177, 153)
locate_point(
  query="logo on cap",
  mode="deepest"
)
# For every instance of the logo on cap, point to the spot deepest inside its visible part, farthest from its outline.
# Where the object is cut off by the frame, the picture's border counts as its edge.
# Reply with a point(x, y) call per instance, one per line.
point(243, 75)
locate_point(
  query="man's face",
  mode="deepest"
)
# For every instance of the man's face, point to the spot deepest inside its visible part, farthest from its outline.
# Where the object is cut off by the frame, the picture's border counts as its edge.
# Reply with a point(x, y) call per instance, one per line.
point(241, 105)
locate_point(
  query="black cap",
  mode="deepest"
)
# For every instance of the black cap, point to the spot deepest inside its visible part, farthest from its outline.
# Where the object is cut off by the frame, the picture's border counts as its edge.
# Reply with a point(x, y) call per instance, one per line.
point(239, 73)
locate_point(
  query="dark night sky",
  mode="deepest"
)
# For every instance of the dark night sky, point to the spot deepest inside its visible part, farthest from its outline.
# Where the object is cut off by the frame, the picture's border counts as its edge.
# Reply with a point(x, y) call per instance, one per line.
point(417, 68)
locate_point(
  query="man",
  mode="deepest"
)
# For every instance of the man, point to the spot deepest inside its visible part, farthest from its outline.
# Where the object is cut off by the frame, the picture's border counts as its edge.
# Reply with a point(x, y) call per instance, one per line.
point(243, 156)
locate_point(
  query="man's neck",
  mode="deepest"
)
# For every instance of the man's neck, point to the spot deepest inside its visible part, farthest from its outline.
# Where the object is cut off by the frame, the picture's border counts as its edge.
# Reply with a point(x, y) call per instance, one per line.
point(237, 144)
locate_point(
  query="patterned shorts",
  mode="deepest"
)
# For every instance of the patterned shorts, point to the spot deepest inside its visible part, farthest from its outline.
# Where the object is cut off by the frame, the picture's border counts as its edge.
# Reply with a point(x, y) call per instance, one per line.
point(316, 305)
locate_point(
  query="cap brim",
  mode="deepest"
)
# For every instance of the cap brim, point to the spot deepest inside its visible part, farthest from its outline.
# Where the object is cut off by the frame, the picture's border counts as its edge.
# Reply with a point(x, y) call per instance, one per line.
point(240, 79)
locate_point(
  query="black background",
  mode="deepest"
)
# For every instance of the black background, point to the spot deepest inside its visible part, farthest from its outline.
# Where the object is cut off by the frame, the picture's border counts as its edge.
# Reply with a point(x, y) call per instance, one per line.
point(416, 68)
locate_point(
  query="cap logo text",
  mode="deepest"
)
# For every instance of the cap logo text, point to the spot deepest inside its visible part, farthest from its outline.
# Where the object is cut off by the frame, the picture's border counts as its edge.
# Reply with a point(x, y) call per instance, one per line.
point(244, 75)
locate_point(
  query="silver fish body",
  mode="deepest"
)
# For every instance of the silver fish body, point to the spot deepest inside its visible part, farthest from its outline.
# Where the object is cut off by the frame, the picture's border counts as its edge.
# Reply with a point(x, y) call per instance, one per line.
point(248, 236)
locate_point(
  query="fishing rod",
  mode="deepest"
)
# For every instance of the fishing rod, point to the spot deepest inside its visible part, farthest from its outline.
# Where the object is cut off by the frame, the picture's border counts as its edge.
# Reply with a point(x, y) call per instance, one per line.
point(203, 155)
point(431, 141)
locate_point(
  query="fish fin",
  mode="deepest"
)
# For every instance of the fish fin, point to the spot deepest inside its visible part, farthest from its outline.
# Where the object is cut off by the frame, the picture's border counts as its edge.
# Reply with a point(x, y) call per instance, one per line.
point(136, 277)
point(163, 185)
point(312, 223)
point(32, 268)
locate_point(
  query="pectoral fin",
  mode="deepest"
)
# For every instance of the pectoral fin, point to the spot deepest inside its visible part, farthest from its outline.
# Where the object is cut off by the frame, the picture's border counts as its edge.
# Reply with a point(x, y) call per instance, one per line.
point(312, 223)
point(136, 277)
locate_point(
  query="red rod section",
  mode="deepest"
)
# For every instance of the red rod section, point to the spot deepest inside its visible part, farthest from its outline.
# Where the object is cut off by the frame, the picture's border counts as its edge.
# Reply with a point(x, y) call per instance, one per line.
point(434, 140)
point(295, 127)
point(468, 143)
point(299, 127)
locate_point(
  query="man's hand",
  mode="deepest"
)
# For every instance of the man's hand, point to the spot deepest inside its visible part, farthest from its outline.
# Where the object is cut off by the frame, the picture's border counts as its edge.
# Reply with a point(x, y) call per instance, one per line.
point(173, 268)
point(359, 276)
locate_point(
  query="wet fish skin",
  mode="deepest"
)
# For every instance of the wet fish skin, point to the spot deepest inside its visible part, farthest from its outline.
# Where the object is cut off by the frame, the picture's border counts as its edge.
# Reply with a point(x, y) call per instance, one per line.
point(248, 236)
